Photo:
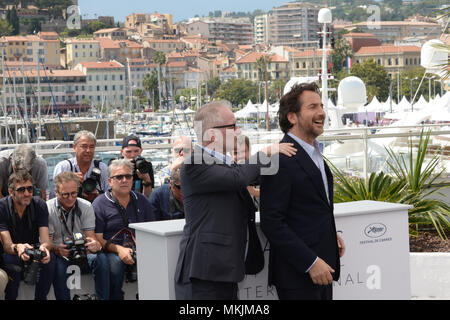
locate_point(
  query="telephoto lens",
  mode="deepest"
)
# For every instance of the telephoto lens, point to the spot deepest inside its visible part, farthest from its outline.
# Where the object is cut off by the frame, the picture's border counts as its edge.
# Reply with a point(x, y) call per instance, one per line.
point(32, 267)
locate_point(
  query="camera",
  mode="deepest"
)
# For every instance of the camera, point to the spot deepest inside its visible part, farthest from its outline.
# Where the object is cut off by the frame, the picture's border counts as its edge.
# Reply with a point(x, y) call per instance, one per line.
point(31, 267)
point(77, 250)
point(131, 270)
point(142, 165)
point(90, 183)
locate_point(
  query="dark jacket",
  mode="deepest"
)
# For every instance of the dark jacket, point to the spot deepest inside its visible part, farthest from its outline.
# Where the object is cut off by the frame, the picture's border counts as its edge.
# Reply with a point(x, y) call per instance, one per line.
point(163, 204)
point(214, 237)
point(297, 219)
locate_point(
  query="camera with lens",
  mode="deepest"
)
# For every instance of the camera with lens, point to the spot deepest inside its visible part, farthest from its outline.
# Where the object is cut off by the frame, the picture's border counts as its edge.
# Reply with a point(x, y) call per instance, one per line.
point(77, 249)
point(90, 183)
point(31, 267)
point(131, 270)
point(142, 165)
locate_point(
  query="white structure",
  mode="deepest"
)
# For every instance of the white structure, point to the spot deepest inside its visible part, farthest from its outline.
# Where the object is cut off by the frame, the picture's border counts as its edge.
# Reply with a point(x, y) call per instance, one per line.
point(375, 266)
point(351, 94)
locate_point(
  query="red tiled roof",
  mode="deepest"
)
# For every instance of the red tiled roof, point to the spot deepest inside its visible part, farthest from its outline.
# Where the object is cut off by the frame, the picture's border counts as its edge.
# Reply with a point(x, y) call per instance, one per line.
point(102, 65)
point(253, 56)
point(359, 35)
point(387, 49)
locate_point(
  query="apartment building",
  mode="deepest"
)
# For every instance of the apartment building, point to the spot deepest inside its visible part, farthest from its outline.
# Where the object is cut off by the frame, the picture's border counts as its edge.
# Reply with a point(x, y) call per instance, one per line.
point(164, 21)
point(278, 68)
point(105, 82)
point(67, 88)
point(261, 29)
point(139, 68)
point(294, 24)
point(44, 46)
point(308, 63)
point(81, 50)
point(165, 46)
point(394, 58)
point(119, 50)
point(224, 29)
point(389, 31)
point(112, 33)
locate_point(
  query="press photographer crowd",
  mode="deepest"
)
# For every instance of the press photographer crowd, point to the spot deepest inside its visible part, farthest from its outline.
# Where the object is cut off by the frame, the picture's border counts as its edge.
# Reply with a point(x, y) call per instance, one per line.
point(85, 222)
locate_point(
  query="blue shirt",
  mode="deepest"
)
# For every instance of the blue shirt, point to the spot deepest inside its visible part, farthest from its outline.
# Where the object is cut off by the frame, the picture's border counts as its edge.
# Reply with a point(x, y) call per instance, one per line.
point(108, 219)
point(224, 158)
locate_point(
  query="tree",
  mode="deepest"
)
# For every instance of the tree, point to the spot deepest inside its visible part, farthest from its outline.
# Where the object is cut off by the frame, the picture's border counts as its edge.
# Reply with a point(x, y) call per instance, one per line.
point(5, 28)
point(261, 64)
point(160, 59)
point(374, 76)
point(341, 51)
point(238, 91)
point(150, 84)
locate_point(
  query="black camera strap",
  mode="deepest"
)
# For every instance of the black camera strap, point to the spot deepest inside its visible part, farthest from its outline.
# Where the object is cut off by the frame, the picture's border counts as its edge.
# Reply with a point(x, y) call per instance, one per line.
point(122, 210)
point(64, 221)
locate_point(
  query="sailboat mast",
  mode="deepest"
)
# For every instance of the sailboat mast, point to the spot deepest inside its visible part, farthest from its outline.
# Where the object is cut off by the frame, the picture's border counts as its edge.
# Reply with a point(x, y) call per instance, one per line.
point(25, 102)
point(39, 99)
point(5, 110)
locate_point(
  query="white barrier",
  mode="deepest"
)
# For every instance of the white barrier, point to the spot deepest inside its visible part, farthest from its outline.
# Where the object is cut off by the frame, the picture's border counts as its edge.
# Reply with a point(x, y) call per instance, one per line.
point(375, 266)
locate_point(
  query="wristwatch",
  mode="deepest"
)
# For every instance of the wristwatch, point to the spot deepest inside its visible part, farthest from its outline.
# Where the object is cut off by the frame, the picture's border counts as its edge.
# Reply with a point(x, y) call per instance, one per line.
point(146, 184)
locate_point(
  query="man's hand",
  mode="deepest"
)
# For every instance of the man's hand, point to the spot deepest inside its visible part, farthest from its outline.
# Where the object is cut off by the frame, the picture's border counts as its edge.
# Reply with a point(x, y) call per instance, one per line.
point(341, 245)
point(46, 259)
point(125, 255)
point(145, 177)
point(21, 251)
point(284, 148)
point(177, 163)
point(320, 273)
point(92, 245)
point(80, 176)
point(62, 250)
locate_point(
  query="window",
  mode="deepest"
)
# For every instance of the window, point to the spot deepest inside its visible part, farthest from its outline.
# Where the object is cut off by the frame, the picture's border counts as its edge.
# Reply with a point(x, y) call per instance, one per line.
point(389, 61)
point(396, 61)
point(105, 77)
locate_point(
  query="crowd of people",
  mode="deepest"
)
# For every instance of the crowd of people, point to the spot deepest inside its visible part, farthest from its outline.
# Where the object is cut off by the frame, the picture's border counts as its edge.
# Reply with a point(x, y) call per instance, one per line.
point(216, 185)
point(85, 221)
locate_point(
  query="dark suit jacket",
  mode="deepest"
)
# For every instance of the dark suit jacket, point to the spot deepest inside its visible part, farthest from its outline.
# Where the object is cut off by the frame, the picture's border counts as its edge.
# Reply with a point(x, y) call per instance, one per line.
point(298, 220)
point(214, 237)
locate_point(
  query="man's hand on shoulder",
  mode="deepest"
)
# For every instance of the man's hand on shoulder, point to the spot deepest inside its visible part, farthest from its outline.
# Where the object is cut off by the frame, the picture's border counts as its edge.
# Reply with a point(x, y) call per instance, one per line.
point(284, 148)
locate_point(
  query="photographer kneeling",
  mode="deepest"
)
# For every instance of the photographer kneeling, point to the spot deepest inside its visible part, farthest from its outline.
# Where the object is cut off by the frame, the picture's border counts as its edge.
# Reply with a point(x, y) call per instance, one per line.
point(114, 210)
point(72, 229)
point(25, 238)
point(143, 176)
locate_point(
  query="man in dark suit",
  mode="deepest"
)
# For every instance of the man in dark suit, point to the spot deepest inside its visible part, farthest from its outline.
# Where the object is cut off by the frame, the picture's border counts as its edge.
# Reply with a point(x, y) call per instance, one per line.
point(213, 247)
point(297, 205)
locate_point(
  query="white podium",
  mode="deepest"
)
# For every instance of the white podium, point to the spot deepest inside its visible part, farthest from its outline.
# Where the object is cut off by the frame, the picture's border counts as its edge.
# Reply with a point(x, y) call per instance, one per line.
point(375, 265)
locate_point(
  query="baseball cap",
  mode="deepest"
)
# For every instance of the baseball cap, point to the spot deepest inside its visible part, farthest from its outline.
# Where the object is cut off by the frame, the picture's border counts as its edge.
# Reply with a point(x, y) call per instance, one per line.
point(127, 139)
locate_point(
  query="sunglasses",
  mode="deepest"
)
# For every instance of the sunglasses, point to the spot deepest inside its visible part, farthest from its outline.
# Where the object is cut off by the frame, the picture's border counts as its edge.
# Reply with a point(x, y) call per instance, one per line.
point(22, 189)
point(120, 177)
point(66, 195)
point(178, 150)
point(233, 126)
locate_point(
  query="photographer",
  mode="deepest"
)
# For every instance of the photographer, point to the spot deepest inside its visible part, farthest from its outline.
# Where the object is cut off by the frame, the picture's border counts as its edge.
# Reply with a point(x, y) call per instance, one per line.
point(114, 210)
point(72, 230)
point(25, 237)
point(91, 173)
point(23, 157)
point(167, 200)
point(143, 176)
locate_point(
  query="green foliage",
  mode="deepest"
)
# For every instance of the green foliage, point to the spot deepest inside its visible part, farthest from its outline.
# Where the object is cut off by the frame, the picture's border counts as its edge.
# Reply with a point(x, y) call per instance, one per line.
point(238, 91)
point(341, 51)
point(411, 183)
point(375, 78)
point(5, 28)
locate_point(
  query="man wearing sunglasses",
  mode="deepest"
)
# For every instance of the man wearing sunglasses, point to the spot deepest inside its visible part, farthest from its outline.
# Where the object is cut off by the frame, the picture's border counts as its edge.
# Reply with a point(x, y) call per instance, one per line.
point(23, 224)
point(68, 215)
point(167, 200)
point(114, 211)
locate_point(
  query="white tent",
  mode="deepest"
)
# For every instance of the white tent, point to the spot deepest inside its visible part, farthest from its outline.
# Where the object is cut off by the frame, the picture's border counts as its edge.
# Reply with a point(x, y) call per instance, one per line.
point(387, 105)
point(421, 103)
point(374, 106)
point(404, 105)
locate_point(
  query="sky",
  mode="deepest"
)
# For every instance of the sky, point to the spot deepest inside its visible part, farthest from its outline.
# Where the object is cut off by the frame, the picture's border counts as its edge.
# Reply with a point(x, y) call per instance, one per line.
point(180, 9)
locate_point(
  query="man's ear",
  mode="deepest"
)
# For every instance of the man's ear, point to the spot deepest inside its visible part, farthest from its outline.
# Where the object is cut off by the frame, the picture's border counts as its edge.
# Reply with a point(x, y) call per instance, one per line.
point(292, 118)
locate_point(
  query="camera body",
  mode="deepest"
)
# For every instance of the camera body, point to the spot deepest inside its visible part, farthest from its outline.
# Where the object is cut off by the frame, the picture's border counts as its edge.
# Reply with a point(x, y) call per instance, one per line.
point(131, 270)
point(31, 267)
point(90, 183)
point(142, 165)
point(76, 247)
